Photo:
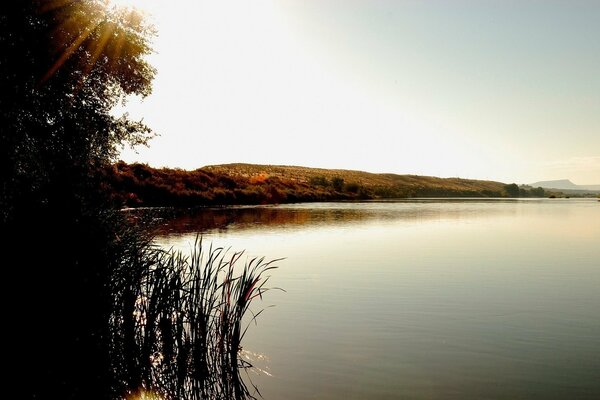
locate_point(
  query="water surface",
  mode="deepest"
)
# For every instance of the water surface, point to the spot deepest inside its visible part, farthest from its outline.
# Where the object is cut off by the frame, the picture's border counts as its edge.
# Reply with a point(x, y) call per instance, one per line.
point(422, 299)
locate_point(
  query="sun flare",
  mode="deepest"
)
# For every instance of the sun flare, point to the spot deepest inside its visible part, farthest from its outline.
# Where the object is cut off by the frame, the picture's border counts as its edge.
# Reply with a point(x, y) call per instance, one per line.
point(137, 4)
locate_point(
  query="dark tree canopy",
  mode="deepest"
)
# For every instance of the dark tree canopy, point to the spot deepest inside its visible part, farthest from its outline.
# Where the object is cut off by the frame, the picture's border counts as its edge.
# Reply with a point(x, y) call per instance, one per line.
point(64, 65)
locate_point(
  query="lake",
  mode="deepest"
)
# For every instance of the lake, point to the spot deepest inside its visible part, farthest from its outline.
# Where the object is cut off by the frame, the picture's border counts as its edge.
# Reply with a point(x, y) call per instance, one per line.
point(420, 299)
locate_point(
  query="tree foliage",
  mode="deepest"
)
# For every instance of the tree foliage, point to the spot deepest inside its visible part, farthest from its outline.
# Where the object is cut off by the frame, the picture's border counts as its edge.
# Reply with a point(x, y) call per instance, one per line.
point(512, 190)
point(64, 66)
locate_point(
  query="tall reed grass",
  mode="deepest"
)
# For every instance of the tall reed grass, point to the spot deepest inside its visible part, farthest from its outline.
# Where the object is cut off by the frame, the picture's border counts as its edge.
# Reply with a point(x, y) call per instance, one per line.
point(178, 321)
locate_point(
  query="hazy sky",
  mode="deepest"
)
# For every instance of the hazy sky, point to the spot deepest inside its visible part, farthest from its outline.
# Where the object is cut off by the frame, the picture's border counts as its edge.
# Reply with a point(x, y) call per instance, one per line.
point(503, 90)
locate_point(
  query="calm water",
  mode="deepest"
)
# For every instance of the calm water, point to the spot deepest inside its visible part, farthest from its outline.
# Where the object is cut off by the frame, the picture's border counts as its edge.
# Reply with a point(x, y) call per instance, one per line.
point(431, 299)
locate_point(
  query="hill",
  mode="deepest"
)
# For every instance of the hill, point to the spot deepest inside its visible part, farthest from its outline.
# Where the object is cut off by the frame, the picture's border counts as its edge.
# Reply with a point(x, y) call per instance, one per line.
point(377, 185)
point(135, 185)
point(567, 185)
point(557, 184)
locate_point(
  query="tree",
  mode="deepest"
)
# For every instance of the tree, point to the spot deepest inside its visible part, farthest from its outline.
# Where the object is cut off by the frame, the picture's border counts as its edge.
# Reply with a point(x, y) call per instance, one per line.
point(512, 190)
point(538, 192)
point(63, 66)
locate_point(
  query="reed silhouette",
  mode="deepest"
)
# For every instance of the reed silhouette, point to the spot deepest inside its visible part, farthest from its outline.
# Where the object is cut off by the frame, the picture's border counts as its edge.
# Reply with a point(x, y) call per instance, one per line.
point(177, 321)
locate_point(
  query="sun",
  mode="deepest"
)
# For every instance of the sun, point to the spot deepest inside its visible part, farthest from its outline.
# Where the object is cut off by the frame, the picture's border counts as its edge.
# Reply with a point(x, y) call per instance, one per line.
point(92, 30)
point(138, 4)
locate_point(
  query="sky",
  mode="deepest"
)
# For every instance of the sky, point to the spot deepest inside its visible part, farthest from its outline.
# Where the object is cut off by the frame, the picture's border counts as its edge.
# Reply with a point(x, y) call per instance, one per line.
point(505, 90)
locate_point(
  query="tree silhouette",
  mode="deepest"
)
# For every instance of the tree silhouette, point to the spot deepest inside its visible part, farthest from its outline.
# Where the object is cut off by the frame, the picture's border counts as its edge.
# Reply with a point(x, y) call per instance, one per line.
point(64, 65)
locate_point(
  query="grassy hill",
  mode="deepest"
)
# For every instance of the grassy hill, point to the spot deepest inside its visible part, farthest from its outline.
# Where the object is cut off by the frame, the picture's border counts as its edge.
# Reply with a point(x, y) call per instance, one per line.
point(141, 185)
point(377, 185)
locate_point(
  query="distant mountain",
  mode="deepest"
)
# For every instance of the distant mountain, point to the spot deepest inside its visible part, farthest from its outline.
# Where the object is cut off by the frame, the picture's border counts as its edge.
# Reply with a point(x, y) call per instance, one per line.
point(558, 184)
point(564, 184)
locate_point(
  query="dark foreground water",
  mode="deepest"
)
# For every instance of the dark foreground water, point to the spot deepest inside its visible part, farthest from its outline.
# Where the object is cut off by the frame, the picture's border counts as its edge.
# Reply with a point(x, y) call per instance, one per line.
point(429, 299)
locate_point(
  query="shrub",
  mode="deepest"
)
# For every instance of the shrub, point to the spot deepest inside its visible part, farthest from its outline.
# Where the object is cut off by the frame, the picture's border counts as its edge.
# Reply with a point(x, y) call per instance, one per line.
point(337, 183)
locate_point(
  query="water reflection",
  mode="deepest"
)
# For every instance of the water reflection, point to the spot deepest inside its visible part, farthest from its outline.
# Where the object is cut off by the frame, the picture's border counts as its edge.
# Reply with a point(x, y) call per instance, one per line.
point(423, 299)
point(297, 216)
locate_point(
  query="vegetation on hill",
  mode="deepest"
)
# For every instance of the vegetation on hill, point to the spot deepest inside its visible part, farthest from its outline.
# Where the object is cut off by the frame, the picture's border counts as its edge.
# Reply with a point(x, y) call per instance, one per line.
point(135, 185)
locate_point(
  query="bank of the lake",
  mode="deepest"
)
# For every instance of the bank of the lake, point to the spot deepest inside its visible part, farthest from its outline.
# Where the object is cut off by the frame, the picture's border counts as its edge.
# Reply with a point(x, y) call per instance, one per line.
point(139, 185)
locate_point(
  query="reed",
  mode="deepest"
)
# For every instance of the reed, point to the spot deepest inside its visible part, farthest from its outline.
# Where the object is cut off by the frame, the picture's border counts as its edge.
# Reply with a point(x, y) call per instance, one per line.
point(178, 320)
